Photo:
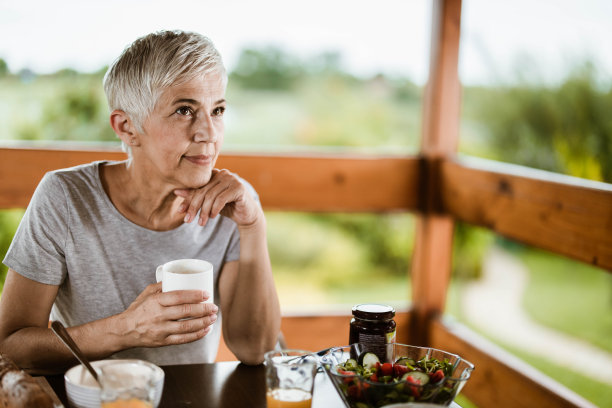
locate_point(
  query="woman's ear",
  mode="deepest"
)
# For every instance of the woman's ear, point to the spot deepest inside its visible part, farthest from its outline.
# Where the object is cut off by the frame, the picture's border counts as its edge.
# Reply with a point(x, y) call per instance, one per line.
point(124, 127)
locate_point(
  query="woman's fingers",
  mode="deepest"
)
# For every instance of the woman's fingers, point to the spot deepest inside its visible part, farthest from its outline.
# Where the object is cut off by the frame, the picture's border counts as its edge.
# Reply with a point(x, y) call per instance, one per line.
point(194, 200)
point(180, 297)
point(188, 337)
point(220, 202)
point(190, 325)
point(224, 194)
point(190, 310)
point(157, 318)
point(211, 197)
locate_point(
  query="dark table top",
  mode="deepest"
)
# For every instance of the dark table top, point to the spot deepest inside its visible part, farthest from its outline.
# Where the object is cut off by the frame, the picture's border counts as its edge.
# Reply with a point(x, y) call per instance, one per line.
point(219, 385)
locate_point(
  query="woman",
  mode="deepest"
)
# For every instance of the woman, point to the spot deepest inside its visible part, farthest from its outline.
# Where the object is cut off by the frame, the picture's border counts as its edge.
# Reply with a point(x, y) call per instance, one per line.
point(88, 245)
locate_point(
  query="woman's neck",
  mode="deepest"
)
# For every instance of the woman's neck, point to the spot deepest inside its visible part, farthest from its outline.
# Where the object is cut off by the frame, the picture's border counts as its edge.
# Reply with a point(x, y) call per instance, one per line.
point(143, 200)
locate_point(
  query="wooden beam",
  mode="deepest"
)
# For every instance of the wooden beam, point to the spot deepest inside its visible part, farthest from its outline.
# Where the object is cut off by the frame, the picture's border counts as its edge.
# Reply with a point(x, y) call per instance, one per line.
point(499, 379)
point(284, 182)
point(21, 169)
point(319, 183)
point(432, 256)
point(565, 215)
point(442, 99)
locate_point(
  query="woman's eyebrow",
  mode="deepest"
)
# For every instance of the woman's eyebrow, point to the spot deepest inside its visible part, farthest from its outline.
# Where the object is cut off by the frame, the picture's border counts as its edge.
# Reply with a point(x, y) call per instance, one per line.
point(186, 100)
point(195, 102)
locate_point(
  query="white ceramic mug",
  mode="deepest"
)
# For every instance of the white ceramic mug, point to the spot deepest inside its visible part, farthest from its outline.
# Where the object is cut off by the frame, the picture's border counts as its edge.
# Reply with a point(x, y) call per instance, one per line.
point(186, 274)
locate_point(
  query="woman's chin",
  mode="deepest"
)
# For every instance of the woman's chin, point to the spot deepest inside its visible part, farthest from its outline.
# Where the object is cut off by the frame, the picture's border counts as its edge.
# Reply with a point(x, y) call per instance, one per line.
point(197, 182)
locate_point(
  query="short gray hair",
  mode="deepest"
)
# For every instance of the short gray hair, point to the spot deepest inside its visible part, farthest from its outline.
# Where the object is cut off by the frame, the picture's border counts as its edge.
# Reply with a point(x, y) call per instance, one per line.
point(135, 80)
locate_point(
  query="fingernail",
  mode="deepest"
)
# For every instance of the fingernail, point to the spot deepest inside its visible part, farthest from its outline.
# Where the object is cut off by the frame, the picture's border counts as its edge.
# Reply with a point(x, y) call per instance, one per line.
point(187, 217)
point(182, 207)
point(213, 317)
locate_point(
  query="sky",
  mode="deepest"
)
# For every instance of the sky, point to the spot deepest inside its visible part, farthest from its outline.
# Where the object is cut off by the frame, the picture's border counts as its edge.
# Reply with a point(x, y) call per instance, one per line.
point(499, 37)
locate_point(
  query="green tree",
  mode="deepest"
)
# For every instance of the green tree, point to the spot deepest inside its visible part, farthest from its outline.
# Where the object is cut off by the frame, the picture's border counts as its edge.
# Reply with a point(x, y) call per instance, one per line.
point(9, 220)
point(566, 129)
point(269, 68)
point(77, 112)
point(4, 71)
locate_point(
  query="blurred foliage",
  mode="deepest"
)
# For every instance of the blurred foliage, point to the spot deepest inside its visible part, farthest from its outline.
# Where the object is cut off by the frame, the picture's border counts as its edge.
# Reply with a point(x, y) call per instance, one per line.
point(565, 129)
point(3, 68)
point(9, 220)
point(271, 68)
point(266, 69)
point(277, 99)
point(77, 112)
point(470, 245)
point(388, 238)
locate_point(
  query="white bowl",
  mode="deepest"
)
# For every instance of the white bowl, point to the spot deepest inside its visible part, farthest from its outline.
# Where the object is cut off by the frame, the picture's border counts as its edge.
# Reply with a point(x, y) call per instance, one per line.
point(83, 391)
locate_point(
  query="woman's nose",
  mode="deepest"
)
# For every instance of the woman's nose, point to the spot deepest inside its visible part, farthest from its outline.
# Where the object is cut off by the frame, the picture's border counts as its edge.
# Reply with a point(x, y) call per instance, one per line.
point(204, 130)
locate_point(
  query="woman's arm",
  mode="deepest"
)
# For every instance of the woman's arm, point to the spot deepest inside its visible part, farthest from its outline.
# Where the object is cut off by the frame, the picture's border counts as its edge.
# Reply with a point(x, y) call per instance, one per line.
point(150, 321)
point(251, 312)
point(249, 302)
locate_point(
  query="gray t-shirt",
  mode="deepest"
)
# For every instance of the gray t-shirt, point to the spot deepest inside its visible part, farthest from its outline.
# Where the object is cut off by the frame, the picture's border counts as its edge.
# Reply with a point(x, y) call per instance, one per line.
point(73, 236)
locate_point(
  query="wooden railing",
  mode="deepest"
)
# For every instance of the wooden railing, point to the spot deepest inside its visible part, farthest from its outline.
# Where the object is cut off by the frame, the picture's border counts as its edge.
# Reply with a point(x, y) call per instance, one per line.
point(564, 215)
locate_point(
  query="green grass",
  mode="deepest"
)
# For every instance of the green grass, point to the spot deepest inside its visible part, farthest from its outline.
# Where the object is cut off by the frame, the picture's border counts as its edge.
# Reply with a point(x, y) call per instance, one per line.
point(569, 296)
point(598, 393)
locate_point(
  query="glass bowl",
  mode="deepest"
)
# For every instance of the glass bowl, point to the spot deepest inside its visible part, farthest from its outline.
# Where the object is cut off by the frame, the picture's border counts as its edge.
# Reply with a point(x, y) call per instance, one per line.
point(359, 391)
point(83, 391)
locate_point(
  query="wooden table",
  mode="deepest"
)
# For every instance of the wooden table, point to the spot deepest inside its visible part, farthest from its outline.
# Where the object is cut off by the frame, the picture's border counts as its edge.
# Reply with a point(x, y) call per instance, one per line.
point(220, 385)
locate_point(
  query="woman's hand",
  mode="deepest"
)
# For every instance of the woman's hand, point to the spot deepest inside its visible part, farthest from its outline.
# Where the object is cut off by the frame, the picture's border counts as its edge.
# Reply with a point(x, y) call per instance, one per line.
point(224, 194)
point(152, 319)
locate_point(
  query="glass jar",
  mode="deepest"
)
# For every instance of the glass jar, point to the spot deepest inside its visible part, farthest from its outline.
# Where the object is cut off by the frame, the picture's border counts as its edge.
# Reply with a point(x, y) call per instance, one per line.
point(373, 327)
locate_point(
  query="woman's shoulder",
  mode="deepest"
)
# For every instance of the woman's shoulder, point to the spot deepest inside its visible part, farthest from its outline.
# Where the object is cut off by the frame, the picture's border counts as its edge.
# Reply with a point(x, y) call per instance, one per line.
point(75, 171)
point(79, 181)
point(82, 174)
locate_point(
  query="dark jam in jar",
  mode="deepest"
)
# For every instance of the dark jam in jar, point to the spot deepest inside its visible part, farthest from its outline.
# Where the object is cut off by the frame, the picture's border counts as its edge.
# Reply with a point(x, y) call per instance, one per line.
point(373, 327)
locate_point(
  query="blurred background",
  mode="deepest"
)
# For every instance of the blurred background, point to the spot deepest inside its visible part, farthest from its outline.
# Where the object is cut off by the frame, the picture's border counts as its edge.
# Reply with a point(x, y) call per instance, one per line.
point(348, 77)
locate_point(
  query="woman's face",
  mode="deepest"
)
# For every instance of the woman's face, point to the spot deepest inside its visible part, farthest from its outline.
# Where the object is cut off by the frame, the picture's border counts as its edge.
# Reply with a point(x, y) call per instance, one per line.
point(183, 135)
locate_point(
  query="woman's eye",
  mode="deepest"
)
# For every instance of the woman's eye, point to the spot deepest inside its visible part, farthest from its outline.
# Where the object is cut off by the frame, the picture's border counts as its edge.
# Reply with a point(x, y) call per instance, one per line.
point(218, 111)
point(184, 111)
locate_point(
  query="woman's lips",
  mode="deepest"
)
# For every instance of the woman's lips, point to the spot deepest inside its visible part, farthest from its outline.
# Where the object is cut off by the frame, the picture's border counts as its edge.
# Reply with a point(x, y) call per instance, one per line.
point(200, 160)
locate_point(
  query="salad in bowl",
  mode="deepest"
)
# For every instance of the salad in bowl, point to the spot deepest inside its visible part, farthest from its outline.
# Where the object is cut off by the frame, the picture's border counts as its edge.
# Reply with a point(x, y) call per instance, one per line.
point(395, 373)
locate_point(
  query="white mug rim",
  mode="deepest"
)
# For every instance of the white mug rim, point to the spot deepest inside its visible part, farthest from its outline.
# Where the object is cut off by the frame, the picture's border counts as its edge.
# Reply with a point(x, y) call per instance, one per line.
point(208, 266)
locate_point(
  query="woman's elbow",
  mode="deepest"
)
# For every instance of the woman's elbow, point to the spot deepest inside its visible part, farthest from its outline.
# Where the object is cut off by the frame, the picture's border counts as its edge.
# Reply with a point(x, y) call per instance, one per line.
point(252, 352)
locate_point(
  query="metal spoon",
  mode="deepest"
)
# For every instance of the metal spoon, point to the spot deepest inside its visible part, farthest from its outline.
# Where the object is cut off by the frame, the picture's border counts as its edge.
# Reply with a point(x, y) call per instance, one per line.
point(318, 354)
point(61, 332)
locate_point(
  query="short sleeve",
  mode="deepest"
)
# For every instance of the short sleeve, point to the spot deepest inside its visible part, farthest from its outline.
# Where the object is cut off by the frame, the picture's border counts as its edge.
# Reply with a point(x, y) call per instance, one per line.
point(233, 251)
point(38, 248)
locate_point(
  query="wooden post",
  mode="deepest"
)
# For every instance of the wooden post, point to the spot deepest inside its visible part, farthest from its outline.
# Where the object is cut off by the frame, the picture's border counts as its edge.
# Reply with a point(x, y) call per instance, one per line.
point(431, 263)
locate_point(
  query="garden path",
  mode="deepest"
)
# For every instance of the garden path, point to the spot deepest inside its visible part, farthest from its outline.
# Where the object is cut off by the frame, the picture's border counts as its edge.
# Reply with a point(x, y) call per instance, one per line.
point(493, 304)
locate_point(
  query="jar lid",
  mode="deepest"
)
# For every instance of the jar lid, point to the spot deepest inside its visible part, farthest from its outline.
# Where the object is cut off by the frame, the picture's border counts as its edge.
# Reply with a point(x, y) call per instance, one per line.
point(371, 311)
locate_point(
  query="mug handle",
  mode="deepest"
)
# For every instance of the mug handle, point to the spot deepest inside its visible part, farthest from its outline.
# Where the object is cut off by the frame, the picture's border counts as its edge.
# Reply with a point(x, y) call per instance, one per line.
point(158, 273)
